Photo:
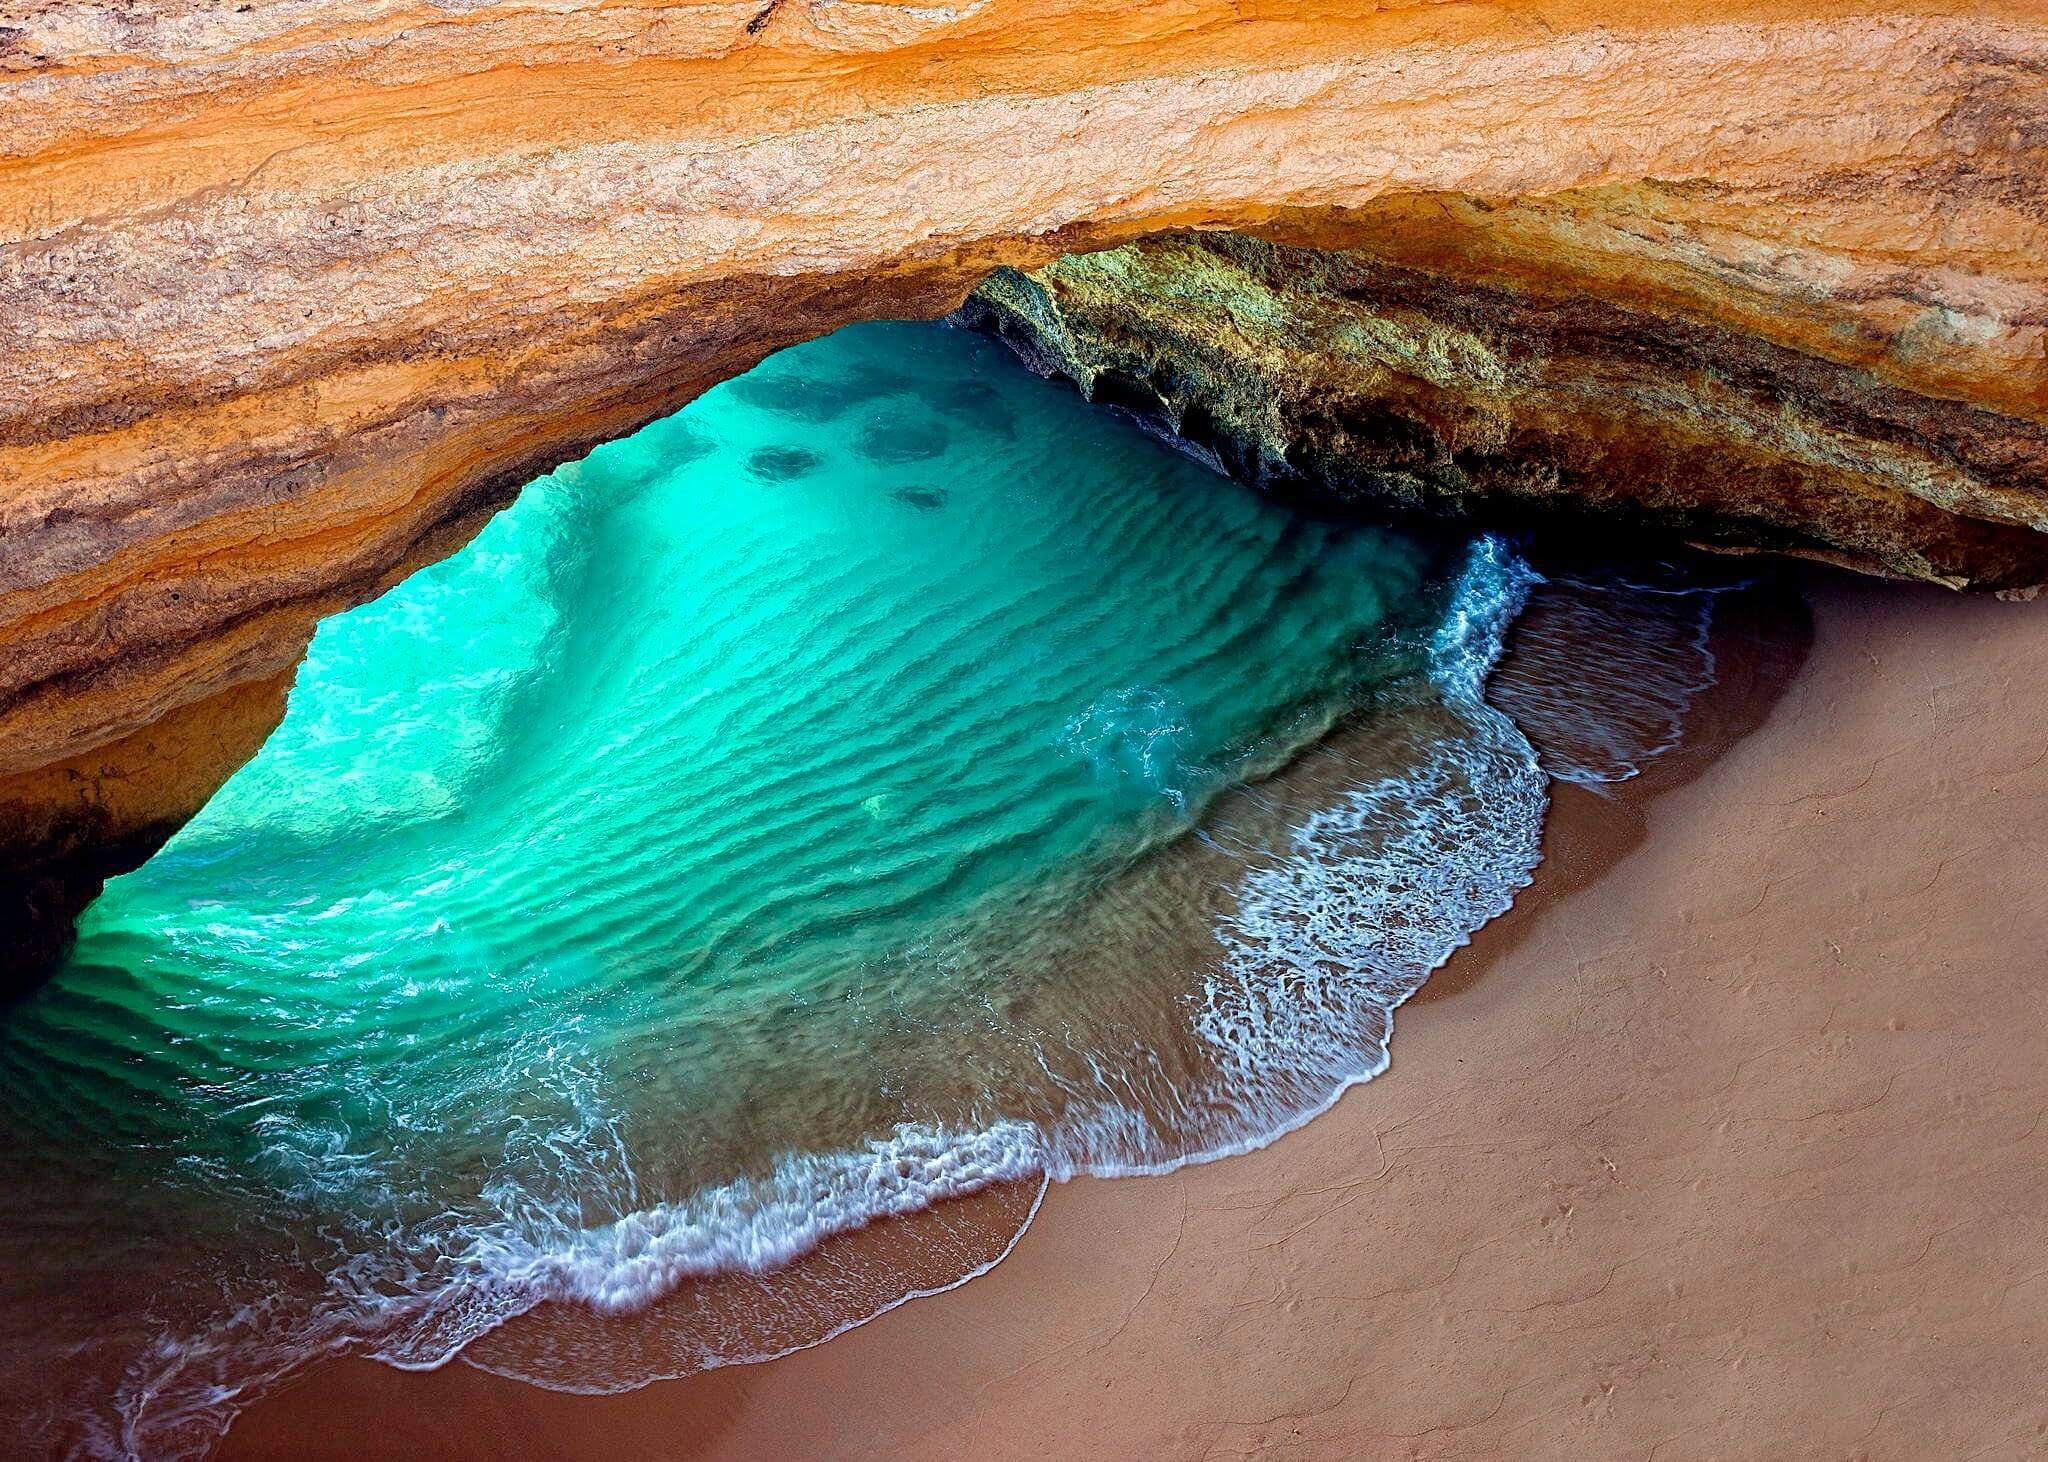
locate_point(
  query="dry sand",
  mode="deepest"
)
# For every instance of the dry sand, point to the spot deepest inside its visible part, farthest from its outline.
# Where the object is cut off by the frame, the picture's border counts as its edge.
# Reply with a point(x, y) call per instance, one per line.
point(1729, 1141)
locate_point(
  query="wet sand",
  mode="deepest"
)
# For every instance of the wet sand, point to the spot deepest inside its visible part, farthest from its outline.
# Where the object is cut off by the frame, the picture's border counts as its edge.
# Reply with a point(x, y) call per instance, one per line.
point(1730, 1140)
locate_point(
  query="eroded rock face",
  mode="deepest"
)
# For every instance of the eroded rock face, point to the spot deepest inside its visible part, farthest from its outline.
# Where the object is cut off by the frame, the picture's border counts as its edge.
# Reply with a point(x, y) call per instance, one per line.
point(1345, 376)
point(292, 295)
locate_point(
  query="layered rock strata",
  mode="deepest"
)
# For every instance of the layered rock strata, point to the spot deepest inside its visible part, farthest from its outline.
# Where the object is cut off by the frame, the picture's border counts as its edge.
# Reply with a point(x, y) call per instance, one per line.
point(292, 295)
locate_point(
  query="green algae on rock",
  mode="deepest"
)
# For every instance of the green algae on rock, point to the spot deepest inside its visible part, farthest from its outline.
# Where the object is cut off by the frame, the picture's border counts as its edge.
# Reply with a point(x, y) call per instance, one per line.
point(1337, 374)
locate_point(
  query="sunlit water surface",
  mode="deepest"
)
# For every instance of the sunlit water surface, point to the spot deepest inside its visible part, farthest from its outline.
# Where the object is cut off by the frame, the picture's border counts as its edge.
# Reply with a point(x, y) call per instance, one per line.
point(887, 781)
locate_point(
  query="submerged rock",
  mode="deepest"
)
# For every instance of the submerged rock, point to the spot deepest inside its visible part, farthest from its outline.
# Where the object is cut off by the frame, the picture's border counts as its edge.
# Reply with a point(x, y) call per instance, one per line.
point(895, 442)
point(783, 464)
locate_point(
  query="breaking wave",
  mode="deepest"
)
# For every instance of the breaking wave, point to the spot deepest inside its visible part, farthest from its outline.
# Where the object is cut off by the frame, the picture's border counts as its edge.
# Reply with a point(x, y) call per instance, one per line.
point(1220, 976)
point(1320, 942)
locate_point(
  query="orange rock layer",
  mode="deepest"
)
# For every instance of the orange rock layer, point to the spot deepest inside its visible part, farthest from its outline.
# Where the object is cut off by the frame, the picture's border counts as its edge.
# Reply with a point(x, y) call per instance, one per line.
point(292, 294)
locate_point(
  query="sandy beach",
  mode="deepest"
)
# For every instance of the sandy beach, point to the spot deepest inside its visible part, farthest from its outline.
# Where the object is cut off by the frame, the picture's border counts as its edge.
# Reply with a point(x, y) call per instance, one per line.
point(1728, 1142)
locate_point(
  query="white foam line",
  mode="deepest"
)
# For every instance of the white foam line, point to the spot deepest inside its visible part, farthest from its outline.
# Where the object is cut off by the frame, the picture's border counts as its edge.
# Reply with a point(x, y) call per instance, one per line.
point(757, 1357)
point(757, 1226)
point(1304, 957)
point(754, 1226)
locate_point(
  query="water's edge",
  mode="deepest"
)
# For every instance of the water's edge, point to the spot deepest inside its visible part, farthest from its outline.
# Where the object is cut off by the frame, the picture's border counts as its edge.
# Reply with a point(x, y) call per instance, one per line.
point(455, 1133)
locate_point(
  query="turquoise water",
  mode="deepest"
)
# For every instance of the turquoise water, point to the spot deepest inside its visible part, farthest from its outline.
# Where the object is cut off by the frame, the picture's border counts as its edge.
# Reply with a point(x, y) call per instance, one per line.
point(887, 781)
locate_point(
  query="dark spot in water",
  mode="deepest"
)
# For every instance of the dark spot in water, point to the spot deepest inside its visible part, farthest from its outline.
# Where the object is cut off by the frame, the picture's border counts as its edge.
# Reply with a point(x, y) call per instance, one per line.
point(805, 398)
point(813, 398)
point(977, 401)
point(895, 441)
point(930, 499)
point(678, 443)
point(628, 466)
point(782, 464)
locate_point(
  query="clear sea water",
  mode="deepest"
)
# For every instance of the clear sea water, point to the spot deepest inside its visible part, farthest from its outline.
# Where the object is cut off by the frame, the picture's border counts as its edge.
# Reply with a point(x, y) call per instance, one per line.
point(709, 908)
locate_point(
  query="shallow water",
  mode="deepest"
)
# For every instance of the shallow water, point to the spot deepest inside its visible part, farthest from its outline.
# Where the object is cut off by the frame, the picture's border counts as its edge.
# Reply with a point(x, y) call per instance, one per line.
point(887, 783)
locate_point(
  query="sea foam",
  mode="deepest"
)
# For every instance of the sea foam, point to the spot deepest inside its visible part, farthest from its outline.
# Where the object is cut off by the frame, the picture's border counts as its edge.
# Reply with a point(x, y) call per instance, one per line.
point(1322, 942)
point(1375, 893)
point(758, 1225)
point(624, 1160)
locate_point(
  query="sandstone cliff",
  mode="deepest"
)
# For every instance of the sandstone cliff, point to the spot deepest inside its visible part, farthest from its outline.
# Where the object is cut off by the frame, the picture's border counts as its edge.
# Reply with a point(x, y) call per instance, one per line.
point(293, 294)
